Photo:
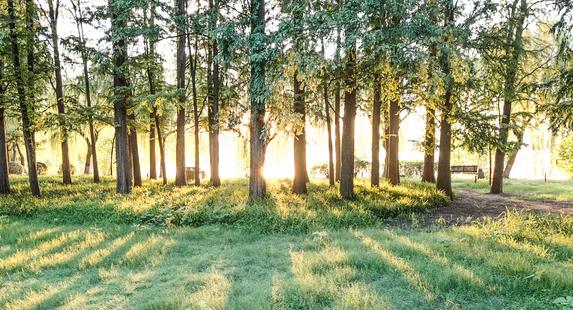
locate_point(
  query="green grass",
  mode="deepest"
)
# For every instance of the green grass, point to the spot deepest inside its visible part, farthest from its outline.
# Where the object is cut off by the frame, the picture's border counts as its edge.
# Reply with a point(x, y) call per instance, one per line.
point(561, 191)
point(520, 262)
point(87, 203)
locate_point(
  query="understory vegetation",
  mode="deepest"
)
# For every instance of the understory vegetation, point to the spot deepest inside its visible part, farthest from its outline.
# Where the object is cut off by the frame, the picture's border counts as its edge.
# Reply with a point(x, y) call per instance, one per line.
point(280, 211)
point(551, 190)
point(521, 261)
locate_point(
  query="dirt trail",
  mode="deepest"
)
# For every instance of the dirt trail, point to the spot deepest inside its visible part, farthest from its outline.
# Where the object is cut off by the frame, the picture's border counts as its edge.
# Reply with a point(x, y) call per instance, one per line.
point(470, 205)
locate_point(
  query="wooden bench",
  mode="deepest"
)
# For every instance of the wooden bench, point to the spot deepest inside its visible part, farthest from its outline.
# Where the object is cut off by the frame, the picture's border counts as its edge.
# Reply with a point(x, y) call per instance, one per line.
point(473, 169)
point(190, 173)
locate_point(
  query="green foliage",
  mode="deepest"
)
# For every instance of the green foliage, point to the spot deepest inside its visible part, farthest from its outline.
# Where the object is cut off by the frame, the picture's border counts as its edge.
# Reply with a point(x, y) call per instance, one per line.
point(281, 211)
point(565, 155)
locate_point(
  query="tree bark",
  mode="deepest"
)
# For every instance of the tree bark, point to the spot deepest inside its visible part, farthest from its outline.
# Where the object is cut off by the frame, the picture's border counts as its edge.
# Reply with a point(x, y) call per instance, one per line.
point(257, 90)
point(53, 13)
point(514, 52)
point(331, 176)
point(511, 160)
point(429, 146)
point(24, 108)
point(213, 110)
point(87, 166)
point(4, 174)
point(152, 156)
point(337, 117)
point(299, 141)
point(376, 111)
point(121, 97)
point(347, 158)
point(180, 144)
point(394, 143)
point(193, 64)
point(134, 151)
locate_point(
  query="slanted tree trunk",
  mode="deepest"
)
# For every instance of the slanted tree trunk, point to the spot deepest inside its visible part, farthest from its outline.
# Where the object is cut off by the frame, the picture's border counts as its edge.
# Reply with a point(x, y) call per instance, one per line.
point(376, 111)
point(513, 155)
point(134, 151)
point(180, 140)
point(257, 90)
point(514, 52)
point(87, 166)
point(347, 165)
point(121, 95)
point(21, 156)
point(53, 13)
point(394, 143)
point(24, 108)
point(299, 141)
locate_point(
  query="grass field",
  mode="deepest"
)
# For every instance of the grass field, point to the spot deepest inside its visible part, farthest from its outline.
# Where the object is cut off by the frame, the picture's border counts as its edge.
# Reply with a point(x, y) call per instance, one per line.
point(326, 254)
point(525, 189)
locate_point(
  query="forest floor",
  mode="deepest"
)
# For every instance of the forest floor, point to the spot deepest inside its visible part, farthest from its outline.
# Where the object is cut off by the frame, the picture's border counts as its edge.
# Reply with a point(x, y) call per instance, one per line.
point(67, 256)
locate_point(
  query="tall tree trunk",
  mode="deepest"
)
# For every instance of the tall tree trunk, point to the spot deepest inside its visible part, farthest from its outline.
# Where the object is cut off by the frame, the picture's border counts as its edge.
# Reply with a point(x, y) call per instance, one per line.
point(347, 160)
point(299, 141)
point(66, 173)
point(162, 171)
point(331, 175)
point(24, 108)
point(337, 116)
point(4, 173)
point(214, 106)
point(20, 155)
point(152, 156)
point(80, 29)
point(111, 154)
point(87, 166)
point(134, 151)
point(514, 51)
point(257, 90)
point(385, 140)
point(180, 144)
point(394, 143)
point(193, 56)
point(121, 97)
point(376, 109)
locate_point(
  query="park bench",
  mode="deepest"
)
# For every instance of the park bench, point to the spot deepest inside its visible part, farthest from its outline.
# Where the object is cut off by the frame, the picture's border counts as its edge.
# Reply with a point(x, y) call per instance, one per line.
point(190, 173)
point(467, 169)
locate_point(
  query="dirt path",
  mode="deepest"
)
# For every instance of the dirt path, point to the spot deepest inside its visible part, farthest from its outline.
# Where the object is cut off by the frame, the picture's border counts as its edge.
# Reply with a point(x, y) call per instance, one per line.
point(470, 205)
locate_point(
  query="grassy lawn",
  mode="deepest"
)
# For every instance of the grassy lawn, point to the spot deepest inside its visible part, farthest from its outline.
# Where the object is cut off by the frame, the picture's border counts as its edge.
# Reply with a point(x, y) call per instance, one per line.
point(525, 189)
point(94, 249)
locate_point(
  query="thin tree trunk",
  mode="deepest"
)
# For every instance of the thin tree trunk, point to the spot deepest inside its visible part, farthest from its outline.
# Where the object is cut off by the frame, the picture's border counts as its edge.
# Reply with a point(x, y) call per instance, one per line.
point(376, 110)
point(180, 144)
point(120, 101)
point(80, 29)
point(347, 158)
point(66, 173)
point(152, 156)
point(193, 68)
point(20, 155)
point(4, 174)
point(162, 171)
point(134, 151)
point(331, 176)
point(394, 143)
point(513, 155)
point(214, 106)
point(299, 141)
point(385, 141)
point(24, 108)
point(153, 115)
point(337, 117)
point(257, 90)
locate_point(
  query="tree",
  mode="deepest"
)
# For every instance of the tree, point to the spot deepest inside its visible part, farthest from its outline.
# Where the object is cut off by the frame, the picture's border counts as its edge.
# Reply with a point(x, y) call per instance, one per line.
point(180, 144)
point(347, 145)
point(59, 87)
point(214, 87)
point(258, 94)
point(4, 178)
point(25, 106)
point(118, 10)
point(193, 63)
point(514, 51)
point(79, 20)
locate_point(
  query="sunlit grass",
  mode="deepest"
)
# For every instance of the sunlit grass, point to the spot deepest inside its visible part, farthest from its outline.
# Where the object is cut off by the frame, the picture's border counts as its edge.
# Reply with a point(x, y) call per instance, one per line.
point(520, 261)
point(552, 190)
point(281, 211)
